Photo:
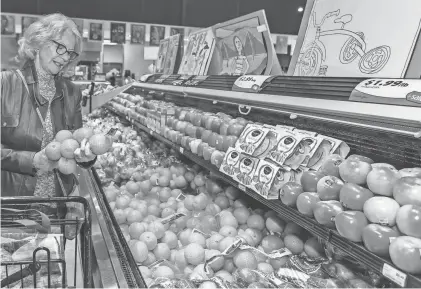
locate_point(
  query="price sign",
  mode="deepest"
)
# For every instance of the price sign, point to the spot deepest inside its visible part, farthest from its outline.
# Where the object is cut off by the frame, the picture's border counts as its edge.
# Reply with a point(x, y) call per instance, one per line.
point(195, 81)
point(405, 92)
point(162, 78)
point(250, 83)
point(394, 275)
point(182, 79)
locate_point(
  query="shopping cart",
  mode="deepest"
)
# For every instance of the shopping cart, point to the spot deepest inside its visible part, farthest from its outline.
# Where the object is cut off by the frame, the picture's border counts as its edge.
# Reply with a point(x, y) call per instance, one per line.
point(33, 242)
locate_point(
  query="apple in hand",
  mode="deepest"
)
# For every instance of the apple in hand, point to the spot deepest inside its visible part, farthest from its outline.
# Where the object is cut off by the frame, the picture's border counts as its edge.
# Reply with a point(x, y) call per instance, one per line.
point(289, 193)
point(410, 172)
point(326, 211)
point(330, 167)
point(381, 179)
point(405, 252)
point(354, 171)
point(381, 210)
point(360, 158)
point(350, 225)
point(306, 203)
point(328, 188)
point(353, 196)
point(309, 180)
point(377, 239)
point(408, 220)
point(407, 191)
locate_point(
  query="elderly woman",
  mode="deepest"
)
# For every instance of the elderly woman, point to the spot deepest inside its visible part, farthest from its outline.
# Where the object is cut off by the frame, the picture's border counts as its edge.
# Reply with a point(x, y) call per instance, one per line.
point(36, 103)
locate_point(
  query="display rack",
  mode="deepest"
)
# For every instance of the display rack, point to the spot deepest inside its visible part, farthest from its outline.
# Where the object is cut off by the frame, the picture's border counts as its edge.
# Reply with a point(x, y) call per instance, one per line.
point(354, 250)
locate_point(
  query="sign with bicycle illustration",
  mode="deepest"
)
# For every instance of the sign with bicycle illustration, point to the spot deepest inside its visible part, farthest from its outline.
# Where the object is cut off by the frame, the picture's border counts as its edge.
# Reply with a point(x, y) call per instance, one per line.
point(359, 38)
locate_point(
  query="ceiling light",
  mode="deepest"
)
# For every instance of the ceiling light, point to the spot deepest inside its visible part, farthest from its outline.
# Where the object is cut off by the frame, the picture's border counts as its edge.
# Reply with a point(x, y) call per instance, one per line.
point(300, 9)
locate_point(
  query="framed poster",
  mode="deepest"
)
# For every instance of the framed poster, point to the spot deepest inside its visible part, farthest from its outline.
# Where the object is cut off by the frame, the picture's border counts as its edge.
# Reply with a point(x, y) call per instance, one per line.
point(198, 53)
point(244, 46)
point(79, 24)
point(173, 57)
point(176, 30)
point(7, 25)
point(162, 55)
point(27, 21)
point(95, 31)
point(338, 38)
point(157, 34)
point(118, 33)
point(137, 34)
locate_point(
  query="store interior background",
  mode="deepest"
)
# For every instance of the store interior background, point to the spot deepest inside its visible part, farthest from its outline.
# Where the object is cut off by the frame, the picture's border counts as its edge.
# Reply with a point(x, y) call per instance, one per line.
point(284, 18)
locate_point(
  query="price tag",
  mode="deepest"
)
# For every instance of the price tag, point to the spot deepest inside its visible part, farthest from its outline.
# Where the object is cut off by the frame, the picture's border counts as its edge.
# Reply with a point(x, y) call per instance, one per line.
point(388, 91)
point(394, 275)
point(250, 83)
point(242, 187)
point(162, 78)
point(181, 150)
point(196, 80)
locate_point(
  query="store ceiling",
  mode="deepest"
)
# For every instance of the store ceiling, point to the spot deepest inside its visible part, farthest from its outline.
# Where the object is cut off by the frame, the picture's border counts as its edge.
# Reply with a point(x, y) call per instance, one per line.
point(283, 15)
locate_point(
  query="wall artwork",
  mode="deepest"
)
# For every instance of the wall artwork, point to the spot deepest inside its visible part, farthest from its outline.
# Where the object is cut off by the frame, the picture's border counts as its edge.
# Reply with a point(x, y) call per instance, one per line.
point(340, 39)
point(198, 53)
point(27, 21)
point(95, 32)
point(7, 25)
point(162, 54)
point(137, 34)
point(118, 33)
point(174, 54)
point(157, 34)
point(243, 46)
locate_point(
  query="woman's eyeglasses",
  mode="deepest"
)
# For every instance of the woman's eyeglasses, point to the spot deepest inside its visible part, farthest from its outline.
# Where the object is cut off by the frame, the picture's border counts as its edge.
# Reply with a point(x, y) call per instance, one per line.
point(61, 50)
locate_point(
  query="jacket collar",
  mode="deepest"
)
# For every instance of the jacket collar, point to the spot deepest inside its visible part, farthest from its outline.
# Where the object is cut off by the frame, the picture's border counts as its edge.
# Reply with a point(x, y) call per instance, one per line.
point(30, 73)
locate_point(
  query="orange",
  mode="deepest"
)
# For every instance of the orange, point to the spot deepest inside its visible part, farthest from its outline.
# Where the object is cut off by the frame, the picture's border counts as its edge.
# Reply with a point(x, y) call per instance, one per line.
point(134, 216)
point(294, 244)
point(208, 285)
point(136, 229)
point(180, 260)
point(145, 186)
point(68, 147)
point(164, 181)
point(265, 268)
point(198, 239)
point(229, 265)
point(164, 272)
point(228, 220)
point(222, 202)
point(224, 275)
point(245, 259)
point(256, 222)
point(225, 243)
point(132, 187)
point(100, 144)
point(228, 231)
point(218, 264)
point(313, 248)
point(149, 239)
point(157, 228)
point(275, 224)
point(293, 228)
point(164, 194)
point(184, 236)
point(170, 239)
point(271, 243)
point(139, 251)
point(154, 210)
point(162, 251)
point(150, 259)
point(189, 176)
point(120, 216)
point(63, 135)
point(122, 202)
point(52, 151)
point(83, 133)
point(167, 212)
point(67, 166)
point(194, 254)
point(278, 263)
point(241, 214)
point(213, 241)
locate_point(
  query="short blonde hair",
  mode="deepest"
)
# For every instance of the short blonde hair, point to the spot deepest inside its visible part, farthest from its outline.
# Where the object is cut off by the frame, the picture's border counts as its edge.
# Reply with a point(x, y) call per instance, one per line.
point(47, 28)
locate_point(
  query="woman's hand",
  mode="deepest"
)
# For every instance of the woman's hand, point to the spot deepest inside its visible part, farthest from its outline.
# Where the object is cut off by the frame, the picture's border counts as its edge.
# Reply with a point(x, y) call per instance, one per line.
point(42, 163)
point(84, 153)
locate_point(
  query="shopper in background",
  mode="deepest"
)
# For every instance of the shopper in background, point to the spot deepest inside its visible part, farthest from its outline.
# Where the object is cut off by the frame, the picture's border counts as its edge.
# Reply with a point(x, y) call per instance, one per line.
point(127, 77)
point(37, 102)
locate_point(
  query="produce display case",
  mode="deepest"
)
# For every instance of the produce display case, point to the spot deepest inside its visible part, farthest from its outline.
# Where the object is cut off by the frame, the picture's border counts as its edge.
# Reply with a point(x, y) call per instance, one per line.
point(386, 133)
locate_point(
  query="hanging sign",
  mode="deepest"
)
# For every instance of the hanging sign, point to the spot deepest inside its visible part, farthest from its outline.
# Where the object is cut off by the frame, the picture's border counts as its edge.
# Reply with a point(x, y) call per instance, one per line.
point(405, 92)
point(250, 83)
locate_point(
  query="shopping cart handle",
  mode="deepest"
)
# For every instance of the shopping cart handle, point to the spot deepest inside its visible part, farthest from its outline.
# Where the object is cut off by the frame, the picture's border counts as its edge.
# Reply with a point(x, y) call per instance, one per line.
point(15, 277)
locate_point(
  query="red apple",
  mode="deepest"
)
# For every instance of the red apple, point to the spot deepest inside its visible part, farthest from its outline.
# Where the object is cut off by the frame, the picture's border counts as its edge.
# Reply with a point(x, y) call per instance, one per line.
point(306, 203)
point(184, 141)
point(377, 238)
point(242, 121)
point(190, 130)
point(330, 167)
point(182, 115)
point(174, 124)
point(205, 136)
point(209, 121)
point(350, 225)
point(207, 152)
point(235, 129)
point(353, 196)
point(381, 179)
point(217, 158)
point(326, 211)
point(220, 142)
point(194, 145)
point(189, 140)
point(408, 220)
point(410, 172)
point(289, 193)
point(360, 158)
point(200, 148)
point(179, 137)
point(405, 252)
point(407, 191)
point(223, 130)
point(197, 119)
point(216, 125)
point(328, 188)
point(354, 171)
point(212, 139)
point(199, 132)
point(309, 180)
point(229, 141)
point(173, 136)
point(381, 210)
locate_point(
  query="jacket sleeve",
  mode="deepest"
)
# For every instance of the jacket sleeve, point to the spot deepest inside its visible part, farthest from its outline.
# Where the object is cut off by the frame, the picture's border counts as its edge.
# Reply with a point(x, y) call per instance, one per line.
point(12, 160)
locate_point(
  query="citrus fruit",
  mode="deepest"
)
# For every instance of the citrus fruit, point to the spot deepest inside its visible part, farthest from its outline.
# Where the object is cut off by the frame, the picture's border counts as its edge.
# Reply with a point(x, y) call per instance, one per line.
point(120, 216)
point(256, 221)
point(194, 254)
point(154, 210)
point(134, 216)
point(170, 239)
point(245, 259)
point(199, 270)
point(149, 239)
point(294, 244)
point(163, 271)
point(228, 231)
point(184, 236)
point(197, 238)
point(52, 151)
point(241, 214)
point(265, 268)
point(313, 248)
point(132, 187)
point(66, 166)
point(164, 194)
point(224, 275)
point(83, 133)
point(271, 243)
point(275, 224)
point(228, 220)
point(99, 144)
point(208, 285)
point(136, 229)
point(292, 228)
point(222, 202)
point(68, 147)
point(225, 243)
point(157, 228)
point(229, 265)
point(150, 259)
point(213, 241)
point(139, 251)
point(217, 264)
point(162, 251)
point(180, 260)
point(63, 135)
